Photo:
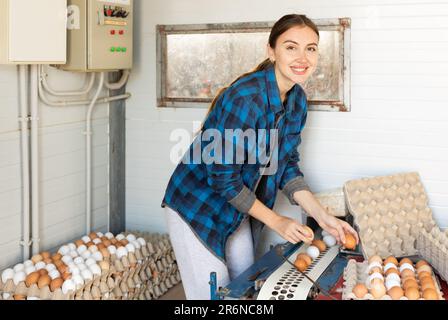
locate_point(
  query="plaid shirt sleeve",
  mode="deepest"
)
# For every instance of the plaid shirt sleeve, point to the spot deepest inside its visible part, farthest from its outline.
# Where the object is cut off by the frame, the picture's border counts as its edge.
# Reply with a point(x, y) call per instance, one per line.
point(226, 178)
point(292, 179)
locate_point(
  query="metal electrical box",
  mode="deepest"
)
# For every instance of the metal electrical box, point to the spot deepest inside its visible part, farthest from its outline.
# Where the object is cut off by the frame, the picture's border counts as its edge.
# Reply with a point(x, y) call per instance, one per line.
point(100, 35)
point(33, 32)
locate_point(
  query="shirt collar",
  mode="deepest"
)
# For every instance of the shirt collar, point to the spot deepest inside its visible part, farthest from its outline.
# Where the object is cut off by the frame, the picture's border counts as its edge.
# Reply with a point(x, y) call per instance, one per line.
point(275, 101)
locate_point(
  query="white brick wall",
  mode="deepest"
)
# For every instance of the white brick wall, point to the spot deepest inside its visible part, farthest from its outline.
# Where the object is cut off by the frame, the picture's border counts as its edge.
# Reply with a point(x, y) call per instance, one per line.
point(62, 168)
point(399, 91)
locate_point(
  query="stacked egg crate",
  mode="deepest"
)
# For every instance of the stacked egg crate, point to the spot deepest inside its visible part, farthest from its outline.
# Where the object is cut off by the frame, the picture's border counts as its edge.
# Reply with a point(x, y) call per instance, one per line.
point(433, 246)
point(96, 267)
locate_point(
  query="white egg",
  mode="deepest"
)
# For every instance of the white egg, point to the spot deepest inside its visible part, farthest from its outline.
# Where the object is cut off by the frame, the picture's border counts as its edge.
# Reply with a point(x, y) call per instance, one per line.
point(68, 286)
point(64, 250)
point(82, 267)
point(313, 252)
point(390, 283)
point(109, 235)
point(329, 240)
point(121, 252)
point(78, 280)
point(19, 267)
point(93, 249)
point(7, 274)
point(86, 239)
point(393, 277)
point(375, 264)
point(112, 249)
point(30, 270)
point(28, 263)
point(325, 233)
point(90, 261)
point(130, 247)
point(40, 265)
point(136, 244)
point(142, 241)
point(74, 254)
point(71, 246)
point(96, 270)
point(33, 298)
point(73, 269)
point(78, 260)
point(389, 265)
point(81, 248)
point(86, 254)
point(87, 274)
point(130, 237)
point(97, 240)
point(54, 274)
point(67, 259)
point(50, 267)
point(19, 277)
point(120, 237)
point(98, 256)
point(406, 266)
point(375, 275)
point(100, 234)
point(6, 296)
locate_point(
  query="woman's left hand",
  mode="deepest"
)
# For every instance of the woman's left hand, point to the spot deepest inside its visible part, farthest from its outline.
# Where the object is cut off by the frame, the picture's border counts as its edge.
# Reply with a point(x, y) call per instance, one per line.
point(337, 228)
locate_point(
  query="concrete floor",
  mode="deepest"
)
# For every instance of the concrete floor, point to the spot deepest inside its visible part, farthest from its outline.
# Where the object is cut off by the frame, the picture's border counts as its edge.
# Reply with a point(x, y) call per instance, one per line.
point(175, 293)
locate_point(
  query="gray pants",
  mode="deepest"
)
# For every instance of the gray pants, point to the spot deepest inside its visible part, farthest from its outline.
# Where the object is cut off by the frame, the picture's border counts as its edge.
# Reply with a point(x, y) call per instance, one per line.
point(196, 262)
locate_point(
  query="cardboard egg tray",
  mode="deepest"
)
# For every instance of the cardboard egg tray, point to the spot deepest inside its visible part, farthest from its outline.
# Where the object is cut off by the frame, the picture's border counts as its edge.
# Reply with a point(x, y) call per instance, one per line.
point(334, 201)
point(145, 274)
point(357, 272)
point(433, 247)
point(389, 212)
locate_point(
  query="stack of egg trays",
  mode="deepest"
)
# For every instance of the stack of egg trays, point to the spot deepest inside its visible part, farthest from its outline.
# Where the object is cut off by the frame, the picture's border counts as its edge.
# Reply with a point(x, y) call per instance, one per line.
point(433, 247)
point(145, 274)
point(357, 272)
point(389, 213)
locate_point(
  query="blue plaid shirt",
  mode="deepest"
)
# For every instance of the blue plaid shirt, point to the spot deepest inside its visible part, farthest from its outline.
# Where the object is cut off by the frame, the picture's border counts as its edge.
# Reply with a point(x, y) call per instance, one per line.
point(214, 198)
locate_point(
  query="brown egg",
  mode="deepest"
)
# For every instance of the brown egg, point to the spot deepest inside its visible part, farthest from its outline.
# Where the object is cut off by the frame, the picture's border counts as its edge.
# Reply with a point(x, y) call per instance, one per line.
point(430, 294)
point(89, 244)
point(421, 263)
point(310, 232)
point(306, 257)
point(105, 252)
point(48, 261)
point(100, 246)
point(56, 257)
point(124, 242)
point(320, 245)
point(424, 268)
point(360, 290)
point(391, 259)
point(93, 235)
point(301, 264)
point(375, 259)
point(19, 297)
point(107, 243)
point(428, 285)
point(392, 270)
point(32, 278)
point(396, 293)
point(43, 272)
point(56, 284)
point(407, 274)
point(377, 288)
point(426, 279)
point(376, 269)
point(406, 260)
point(58, 263)
point(104, 238)
point(37, 258)
point(44, 280)
point(350, 241)
point(410, 283)
point(45, 255)
point(63, 268)
point(412, 293)
point(114, 241)
point(66, 275)
point(119, 244)
point(79, 242)
point(424, 274)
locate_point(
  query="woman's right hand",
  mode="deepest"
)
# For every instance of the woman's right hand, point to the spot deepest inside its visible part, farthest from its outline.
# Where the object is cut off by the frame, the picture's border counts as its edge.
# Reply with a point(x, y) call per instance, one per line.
point(292, 231)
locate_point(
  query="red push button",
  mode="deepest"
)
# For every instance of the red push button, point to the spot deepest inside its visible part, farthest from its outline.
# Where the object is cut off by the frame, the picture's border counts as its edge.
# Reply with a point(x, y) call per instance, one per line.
point(121, 32)
point(112, 32)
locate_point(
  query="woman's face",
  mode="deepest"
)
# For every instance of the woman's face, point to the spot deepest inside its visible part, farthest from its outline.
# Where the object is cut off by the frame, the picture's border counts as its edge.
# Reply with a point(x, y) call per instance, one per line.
point(295, 55)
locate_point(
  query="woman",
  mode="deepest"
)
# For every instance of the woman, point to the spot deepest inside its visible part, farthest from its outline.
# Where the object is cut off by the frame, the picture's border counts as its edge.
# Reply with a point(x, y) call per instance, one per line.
point(209, 203)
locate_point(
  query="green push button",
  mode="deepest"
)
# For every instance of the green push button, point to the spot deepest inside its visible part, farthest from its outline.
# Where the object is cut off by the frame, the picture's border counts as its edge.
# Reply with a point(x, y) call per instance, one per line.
point(124, 49)
point(112, 49)
point(118, 49)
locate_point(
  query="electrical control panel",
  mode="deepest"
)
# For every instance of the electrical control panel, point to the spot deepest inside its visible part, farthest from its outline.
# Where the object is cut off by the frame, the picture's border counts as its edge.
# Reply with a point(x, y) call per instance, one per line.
point(100, 35)
point(33, 32)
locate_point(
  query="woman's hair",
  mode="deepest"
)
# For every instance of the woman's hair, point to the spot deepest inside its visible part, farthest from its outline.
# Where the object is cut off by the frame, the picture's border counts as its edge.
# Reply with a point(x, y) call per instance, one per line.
point(281, 26)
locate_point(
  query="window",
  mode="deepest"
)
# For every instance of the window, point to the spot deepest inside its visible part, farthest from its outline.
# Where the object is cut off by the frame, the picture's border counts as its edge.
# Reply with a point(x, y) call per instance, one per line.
point(195, 61)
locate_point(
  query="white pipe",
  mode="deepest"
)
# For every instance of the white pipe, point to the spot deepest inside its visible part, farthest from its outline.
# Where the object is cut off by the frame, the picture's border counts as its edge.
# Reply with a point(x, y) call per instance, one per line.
point(118, 85)
point(89, 156)
point(43, 78)
point(23, 86)
point(34, 100)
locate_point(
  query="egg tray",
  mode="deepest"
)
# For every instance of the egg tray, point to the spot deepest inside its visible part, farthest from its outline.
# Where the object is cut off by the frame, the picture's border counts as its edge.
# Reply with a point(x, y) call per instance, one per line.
point(389, 212)
point(334, 201)
point(433, 247)
point(144, 275)
point(356, 272)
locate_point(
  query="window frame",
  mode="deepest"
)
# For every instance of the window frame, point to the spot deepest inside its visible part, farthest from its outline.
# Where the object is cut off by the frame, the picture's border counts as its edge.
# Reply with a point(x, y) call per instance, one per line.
point(343, 25)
